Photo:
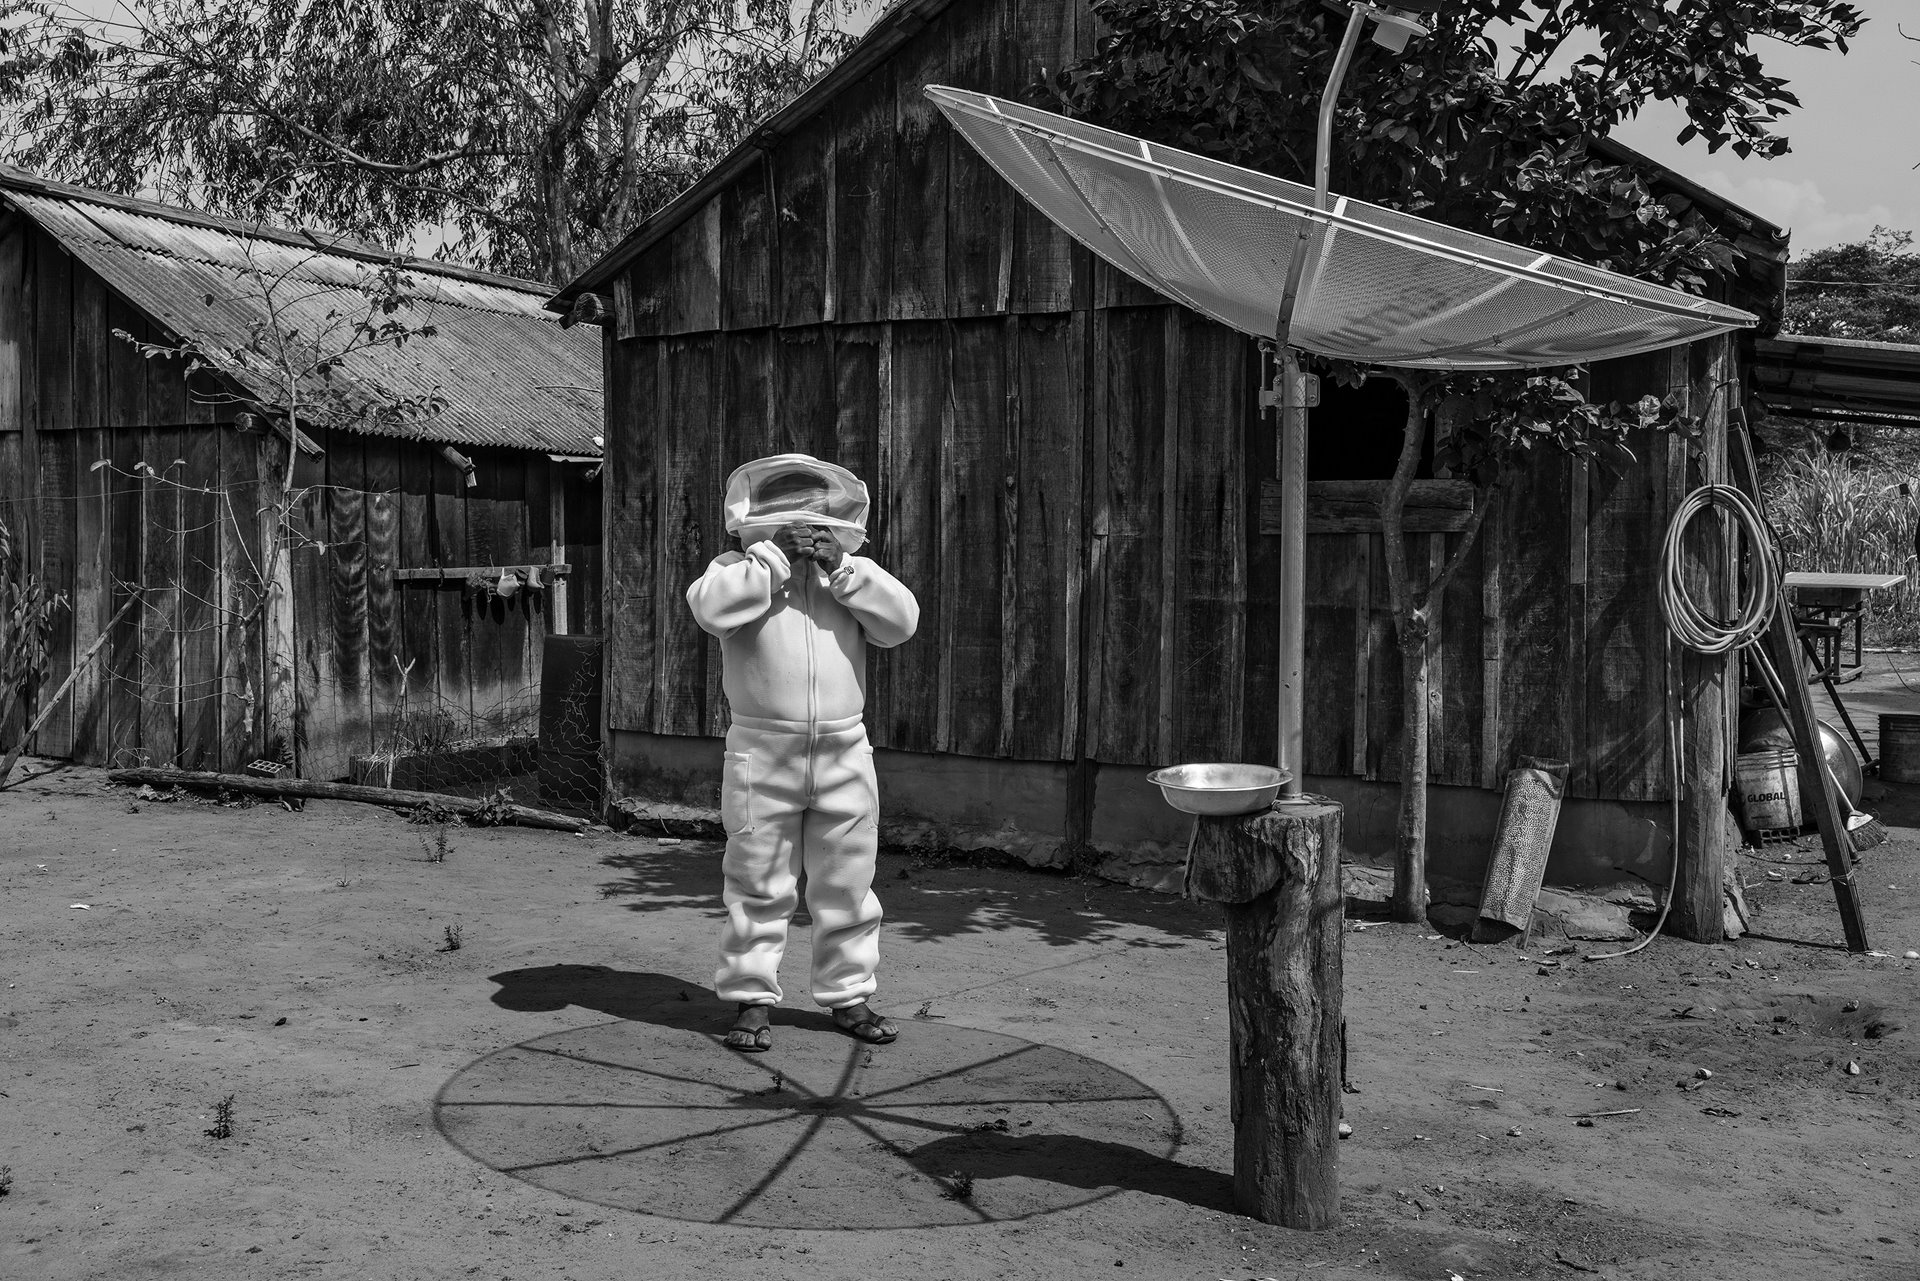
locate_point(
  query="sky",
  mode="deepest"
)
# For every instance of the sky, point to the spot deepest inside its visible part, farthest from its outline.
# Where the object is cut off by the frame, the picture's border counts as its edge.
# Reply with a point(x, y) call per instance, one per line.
point(1854, 139)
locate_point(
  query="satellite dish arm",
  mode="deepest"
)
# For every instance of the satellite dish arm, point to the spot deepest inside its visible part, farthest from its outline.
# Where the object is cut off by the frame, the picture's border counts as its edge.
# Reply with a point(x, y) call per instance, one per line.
point(1322, 165)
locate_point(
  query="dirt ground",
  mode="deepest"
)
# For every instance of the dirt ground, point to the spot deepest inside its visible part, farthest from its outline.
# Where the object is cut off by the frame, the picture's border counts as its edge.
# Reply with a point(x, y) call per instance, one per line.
point(547, 1100)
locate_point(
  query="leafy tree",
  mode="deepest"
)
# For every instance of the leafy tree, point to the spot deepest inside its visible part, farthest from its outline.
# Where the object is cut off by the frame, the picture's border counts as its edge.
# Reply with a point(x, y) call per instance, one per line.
point(1485, 124)
point(315, 355)
point(1869, 289)
point(530, 133)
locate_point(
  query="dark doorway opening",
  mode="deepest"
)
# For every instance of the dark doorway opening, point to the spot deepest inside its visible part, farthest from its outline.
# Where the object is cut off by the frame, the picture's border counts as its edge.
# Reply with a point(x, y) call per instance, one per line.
point(1355, 432)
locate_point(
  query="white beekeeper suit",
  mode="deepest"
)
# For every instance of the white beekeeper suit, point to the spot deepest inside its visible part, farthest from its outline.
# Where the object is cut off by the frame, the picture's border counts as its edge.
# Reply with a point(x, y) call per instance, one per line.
point(798, 790)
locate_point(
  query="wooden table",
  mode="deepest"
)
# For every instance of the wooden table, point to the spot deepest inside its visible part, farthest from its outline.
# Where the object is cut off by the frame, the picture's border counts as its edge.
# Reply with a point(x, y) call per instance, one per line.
point(1823, 606)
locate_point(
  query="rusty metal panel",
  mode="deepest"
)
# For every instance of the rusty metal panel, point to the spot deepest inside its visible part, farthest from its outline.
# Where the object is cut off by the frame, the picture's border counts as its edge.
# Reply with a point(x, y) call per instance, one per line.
point(506, 370)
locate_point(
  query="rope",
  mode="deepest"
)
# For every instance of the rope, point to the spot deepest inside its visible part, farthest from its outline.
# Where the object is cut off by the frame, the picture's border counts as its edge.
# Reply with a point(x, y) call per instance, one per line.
point(1692, 626)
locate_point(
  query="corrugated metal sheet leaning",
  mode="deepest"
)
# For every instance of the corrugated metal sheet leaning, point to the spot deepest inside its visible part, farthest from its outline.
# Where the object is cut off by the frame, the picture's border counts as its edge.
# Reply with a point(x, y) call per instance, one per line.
point(507, 373)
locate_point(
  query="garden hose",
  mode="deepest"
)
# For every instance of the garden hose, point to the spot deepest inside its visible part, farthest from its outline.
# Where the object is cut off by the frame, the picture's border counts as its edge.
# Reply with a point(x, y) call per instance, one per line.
point(1692, 626)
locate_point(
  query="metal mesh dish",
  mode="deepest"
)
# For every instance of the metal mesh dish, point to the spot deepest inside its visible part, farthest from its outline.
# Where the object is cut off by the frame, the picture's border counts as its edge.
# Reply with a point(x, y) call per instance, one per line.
point(1378, 286)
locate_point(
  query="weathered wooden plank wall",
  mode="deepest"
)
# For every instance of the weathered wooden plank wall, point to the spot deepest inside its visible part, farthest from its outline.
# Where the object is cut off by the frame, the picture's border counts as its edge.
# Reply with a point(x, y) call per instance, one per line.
point(386, 659)
point(115, 475)
point(1067, 471)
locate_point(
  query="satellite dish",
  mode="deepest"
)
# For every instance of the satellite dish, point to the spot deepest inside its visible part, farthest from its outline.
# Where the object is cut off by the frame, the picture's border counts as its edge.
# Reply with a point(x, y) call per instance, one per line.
point(1377, 286)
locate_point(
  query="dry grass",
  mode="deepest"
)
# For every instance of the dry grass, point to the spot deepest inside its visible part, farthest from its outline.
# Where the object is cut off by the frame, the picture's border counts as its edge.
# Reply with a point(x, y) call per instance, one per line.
point(1845, 513)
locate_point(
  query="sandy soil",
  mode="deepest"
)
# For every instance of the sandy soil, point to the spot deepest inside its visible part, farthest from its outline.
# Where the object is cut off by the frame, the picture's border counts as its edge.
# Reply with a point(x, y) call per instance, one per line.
point(547, 1101)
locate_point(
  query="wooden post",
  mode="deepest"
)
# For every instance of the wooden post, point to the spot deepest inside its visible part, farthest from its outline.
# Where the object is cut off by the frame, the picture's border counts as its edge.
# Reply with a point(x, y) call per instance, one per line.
point(1698, 914)
point(1278, 874)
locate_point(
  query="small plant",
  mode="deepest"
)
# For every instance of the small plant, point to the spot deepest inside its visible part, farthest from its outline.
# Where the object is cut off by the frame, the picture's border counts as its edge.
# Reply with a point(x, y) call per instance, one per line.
point(432, 812)
point(925, 1011)
point(453, 939)
point(222, 1127)
point(494, 811)
point(6, 1179)
point(958, 1187)
point(436, 851)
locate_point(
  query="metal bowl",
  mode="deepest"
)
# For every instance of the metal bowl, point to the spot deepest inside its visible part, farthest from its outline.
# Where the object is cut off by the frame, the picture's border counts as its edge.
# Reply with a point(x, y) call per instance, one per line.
point(1219, 787)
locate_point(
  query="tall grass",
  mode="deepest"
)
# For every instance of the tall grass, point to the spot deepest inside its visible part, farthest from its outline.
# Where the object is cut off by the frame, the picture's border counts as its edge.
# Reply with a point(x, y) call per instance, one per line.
point(1843, 513)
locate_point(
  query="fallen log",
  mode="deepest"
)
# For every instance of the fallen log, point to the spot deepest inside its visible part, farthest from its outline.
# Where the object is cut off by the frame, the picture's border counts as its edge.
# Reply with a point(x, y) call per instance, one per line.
point(392, 797)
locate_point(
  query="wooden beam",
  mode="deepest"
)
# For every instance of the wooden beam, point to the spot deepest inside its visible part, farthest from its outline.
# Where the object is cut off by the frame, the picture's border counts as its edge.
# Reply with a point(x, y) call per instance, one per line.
point(463, 572)
point(1353, 506)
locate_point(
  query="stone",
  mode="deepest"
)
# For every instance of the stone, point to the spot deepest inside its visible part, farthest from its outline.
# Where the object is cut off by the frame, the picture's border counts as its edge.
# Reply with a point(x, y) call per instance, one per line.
point(1583, 917)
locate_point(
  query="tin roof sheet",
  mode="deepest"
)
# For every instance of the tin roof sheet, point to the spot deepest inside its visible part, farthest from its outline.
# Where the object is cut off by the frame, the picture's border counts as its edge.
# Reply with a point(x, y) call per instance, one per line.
point(506, 372)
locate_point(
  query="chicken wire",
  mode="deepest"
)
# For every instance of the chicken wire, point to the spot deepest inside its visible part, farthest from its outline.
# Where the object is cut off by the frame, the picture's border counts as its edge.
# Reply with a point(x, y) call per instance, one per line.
point(1377, 286)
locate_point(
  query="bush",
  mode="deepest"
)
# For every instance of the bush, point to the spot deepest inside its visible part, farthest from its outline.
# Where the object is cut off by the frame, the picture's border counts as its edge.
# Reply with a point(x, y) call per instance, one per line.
point(1843, 513)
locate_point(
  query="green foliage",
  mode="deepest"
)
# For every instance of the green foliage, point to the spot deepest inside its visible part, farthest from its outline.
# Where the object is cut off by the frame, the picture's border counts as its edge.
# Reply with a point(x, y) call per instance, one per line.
point(27, 614)
point(1485, 125)
point(1869, 289)
point(1843, 514)
point(538, 131)
point(495, 811)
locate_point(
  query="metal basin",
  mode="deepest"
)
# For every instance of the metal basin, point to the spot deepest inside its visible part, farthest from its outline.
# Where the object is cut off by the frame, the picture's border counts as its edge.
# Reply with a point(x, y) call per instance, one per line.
point(1219, 787)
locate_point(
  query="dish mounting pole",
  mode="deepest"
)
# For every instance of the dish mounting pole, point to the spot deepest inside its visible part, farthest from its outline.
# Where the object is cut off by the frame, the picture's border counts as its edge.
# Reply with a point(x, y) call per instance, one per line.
point(1290, 395)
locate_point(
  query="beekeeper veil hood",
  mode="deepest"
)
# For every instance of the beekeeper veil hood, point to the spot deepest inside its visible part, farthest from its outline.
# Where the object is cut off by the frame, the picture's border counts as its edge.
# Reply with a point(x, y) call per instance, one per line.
point(796, 489)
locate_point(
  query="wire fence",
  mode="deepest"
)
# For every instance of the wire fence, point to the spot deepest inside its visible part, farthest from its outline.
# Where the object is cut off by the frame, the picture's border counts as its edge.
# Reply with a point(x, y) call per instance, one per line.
point(536, 744)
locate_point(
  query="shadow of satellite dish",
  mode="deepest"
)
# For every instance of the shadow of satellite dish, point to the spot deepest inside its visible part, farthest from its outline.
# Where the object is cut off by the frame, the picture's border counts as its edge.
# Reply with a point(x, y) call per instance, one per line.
point(947, 1126)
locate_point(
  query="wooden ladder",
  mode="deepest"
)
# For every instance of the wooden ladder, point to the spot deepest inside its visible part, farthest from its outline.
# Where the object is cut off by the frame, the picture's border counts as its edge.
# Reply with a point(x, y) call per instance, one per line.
point(1782, 644)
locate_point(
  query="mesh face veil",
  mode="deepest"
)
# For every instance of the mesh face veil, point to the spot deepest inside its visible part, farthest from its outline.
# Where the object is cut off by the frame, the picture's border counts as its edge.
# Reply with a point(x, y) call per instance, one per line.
point(796, 489)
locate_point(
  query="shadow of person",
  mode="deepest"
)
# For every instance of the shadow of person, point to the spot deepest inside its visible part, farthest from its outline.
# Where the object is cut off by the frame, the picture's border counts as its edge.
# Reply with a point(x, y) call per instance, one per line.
point(636, 996)
point(1094, 1164)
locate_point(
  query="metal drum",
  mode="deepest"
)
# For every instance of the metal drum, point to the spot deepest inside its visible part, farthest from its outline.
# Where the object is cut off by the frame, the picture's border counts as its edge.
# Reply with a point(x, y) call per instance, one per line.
point(1899, 748)
point(1764, 729)
point(1767, 784)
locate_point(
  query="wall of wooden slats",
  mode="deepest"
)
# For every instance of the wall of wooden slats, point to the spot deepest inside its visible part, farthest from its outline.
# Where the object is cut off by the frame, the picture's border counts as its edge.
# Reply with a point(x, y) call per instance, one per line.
point(112, 475)
point(1067, 470)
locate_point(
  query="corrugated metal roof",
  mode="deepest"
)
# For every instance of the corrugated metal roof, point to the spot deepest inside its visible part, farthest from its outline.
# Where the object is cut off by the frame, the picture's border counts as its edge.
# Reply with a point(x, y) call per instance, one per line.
point(1848, 379)
point(506, 370)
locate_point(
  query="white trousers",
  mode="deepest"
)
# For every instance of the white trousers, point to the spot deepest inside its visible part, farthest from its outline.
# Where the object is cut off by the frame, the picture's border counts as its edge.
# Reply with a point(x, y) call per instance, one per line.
point(793, 800)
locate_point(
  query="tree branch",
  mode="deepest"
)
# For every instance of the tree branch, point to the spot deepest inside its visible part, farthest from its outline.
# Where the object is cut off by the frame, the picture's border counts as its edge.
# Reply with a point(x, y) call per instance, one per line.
point(1393, 503)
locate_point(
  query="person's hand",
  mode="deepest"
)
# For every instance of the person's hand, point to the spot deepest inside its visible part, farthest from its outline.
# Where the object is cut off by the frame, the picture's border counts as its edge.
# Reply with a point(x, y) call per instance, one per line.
point(826, 550)
point(794, 541)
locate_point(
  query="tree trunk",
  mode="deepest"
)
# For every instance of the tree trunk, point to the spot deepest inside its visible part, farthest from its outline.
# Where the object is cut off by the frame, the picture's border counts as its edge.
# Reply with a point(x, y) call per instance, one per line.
point(1410, 848)
point(1278, 874)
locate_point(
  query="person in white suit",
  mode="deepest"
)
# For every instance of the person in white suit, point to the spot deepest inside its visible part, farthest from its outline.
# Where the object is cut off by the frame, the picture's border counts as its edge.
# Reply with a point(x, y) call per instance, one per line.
point(795, 610)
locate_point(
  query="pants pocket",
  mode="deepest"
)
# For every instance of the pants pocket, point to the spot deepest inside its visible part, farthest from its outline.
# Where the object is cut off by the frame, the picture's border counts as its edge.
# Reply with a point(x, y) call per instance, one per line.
point(736, 794)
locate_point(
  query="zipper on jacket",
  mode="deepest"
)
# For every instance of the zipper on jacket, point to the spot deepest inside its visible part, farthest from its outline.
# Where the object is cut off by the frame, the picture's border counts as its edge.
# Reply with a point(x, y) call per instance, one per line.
point(813, 695)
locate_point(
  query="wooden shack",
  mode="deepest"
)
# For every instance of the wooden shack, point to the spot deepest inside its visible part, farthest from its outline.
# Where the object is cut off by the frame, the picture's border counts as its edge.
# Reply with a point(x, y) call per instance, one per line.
point(1074, 475)
point(121, 472)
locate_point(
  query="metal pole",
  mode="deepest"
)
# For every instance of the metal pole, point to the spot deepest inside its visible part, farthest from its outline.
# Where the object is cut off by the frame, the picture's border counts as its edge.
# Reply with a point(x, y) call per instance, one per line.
point(1292, 462)
point(1293, 572)
point(1322, 164)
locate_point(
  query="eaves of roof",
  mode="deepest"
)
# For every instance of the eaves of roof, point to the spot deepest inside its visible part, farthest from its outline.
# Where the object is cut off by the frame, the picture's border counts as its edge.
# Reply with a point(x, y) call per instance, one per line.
point(892, 29)
point(503, 370)
point(1838, 377)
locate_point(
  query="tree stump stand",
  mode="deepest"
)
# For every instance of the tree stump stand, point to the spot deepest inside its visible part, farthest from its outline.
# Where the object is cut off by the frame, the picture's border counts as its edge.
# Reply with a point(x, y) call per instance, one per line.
point(1277, 873)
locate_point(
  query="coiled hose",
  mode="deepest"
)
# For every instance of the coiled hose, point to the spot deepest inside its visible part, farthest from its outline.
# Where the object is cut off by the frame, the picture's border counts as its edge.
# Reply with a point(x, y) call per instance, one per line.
point(1690, 625)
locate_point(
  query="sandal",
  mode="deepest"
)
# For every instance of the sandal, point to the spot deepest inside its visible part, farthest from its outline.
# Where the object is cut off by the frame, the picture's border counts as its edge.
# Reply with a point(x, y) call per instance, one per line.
point(748, 1034)
point(864, 1025)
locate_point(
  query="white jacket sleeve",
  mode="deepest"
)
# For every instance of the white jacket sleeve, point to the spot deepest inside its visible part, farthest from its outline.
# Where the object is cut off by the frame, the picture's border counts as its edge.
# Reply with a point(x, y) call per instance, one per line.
point(737, 588)
point(887, 610)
